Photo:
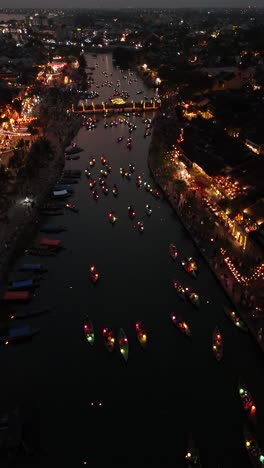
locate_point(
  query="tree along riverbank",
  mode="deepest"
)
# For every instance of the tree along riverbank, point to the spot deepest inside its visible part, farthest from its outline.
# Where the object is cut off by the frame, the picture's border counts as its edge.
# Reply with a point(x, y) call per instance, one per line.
point(23, 222)
point(207, 249)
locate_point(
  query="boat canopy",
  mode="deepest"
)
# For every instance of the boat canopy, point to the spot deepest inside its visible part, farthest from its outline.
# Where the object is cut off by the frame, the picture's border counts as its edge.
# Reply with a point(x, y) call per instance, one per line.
point(19, 331)
point(22, 284)
point(59, 193)
point(31, 266)
point(51, 242)
point(16, 295)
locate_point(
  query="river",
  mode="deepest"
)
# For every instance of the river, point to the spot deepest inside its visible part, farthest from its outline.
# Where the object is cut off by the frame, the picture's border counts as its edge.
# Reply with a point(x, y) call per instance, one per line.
point(149, 405)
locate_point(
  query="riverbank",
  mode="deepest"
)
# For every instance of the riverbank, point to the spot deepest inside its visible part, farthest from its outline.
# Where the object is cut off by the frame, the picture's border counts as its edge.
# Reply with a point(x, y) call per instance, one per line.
point(208, 252)
point(23, 218)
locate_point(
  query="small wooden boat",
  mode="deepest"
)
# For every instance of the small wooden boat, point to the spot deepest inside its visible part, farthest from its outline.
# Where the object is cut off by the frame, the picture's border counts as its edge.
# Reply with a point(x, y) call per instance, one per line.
point(141, 335)
point(71, 207)
point(23, 314)
point(254, 452)
point(139, 181)
point(23, 285)
point(18, 334)
point(217, 344)
point(148, 210)
point(105, 189)
point(35, 267)
point(115, 190)
point(237, 321)
point(94, 275)
point(192, 456)
point(173, 251)
point(193, 297)
point(123, 344)
point(109, 339)
point(140, 226)
point(17, 296)
point(188, 268)
point(112, 218)
point(40, 252)
point(155, 193)
point(87, 173)
point(179, 289)
point(131, 212)
point(132, 168)
point(92, 183)
point(247, 400)
point(180, 324)
point(89, 331)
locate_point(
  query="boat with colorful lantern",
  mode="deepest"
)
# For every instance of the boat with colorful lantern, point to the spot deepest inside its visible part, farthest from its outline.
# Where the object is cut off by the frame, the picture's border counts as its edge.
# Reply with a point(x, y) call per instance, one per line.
point(88, 331)
point(112, 218)
point(193, 297)
point(148, 210)
point(180, 324)
point(190, 266)
point(254, 452)
point(217, 344)
point(247, 400)
point(192, 456)
point(92, 162)
point(180, 290)
point(141, 335)
point(94, 274)
point(173, 251)
point(109, 339)
point(237, 321)
point(115, 190)
point(123, 344)
point(140, 226)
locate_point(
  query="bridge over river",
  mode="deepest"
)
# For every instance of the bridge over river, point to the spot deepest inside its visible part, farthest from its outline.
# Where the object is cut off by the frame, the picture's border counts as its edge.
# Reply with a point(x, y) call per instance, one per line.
point(110, 107)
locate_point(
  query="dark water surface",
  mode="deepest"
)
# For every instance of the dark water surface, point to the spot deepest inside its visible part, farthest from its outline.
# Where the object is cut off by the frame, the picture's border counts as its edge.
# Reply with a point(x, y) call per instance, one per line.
point(176, 385)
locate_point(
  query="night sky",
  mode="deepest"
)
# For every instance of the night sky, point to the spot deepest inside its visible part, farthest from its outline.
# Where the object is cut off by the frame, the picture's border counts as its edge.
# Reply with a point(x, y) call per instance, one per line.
point(126, 4)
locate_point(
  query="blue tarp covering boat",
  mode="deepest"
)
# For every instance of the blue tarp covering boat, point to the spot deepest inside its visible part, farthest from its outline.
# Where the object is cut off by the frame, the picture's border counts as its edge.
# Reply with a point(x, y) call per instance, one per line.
point(31, 267)
point(52, 228)
point(18, 334)
point(25, 284)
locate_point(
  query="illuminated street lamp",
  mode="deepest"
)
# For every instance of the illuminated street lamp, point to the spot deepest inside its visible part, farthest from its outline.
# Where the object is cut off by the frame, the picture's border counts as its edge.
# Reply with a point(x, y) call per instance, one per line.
point(144, 66)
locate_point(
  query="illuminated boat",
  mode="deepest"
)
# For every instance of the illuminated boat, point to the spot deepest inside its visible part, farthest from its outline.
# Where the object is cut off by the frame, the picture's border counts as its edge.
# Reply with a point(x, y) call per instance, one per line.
point(193, 297)
point(72, 207)
point(188, 267)
point(247, 400)
point(122, 171)
point(131, 212)
point(179, 289)
point(92, 183)
point(253, 449)
point(140, 226)
point(123, 344)
point(147, 186)
point(103, 160)
point(139, 181)
point(155, 193)
point(103, 172)
point(18, 334)
point(112, 218)
point(115, 190)
point(95, 195)
point(109, 339)
point(148, 210)
point(131, 167)
point(192, 456)
point(87, 173)
point(173, 251)
point(94, 274)
point(217, 344)
point(119, 139)
point(108, 167)
point(141, 334)
point(89, 331)
point(101, 181)
point(105, 189)
point(180, 324)
point(127, 175)
point(232, 315)
point(92, 162)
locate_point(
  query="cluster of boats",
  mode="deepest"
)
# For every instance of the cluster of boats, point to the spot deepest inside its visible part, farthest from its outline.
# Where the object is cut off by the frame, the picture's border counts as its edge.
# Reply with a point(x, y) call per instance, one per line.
point(20, 290)
point(121, 338)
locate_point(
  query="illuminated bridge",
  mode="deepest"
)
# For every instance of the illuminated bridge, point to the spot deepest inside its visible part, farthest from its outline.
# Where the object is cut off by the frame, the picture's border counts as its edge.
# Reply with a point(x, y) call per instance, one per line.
point(112, 107)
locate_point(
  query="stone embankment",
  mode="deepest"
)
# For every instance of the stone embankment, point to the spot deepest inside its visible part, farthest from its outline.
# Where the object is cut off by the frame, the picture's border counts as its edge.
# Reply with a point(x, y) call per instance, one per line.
point(23, 218)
